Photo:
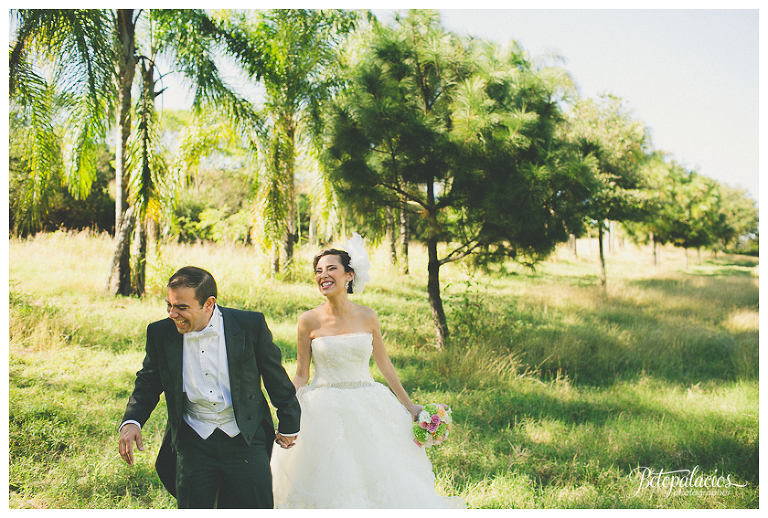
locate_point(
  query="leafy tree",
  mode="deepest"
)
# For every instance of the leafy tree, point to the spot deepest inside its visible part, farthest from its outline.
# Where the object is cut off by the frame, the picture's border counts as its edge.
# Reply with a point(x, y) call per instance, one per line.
point(62, 210)
point(734, 216)
point(465, 138)
point(614, 145)
point(693, 211)
point(217, 177)
point(693, 196)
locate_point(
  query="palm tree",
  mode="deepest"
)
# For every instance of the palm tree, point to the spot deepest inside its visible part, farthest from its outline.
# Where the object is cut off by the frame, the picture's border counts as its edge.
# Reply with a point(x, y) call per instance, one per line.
point(62, 105)
point(297, 50)
point(93, 56)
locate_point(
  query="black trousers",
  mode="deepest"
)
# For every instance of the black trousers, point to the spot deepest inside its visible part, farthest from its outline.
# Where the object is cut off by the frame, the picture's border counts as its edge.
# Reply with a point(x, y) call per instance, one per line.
point(222, 472)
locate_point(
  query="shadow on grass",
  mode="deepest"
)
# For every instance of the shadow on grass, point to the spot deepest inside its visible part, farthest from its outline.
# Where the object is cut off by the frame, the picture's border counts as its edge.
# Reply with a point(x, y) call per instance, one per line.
point(731, 260)
point(543, 434)
point(724, 272)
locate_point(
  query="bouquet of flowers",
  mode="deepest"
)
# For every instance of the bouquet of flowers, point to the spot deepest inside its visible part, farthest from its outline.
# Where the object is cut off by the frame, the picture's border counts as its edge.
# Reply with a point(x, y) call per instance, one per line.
point(433, 424)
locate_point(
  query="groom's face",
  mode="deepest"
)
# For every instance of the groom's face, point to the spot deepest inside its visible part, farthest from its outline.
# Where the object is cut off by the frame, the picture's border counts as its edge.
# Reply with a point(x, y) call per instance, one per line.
point(185, 310)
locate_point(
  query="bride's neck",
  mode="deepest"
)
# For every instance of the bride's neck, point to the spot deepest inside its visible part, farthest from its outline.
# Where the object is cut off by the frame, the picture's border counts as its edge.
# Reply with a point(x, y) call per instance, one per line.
point(338, 306)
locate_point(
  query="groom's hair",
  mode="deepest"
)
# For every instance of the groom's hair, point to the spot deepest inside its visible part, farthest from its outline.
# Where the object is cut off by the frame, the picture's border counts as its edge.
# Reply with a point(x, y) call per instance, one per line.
point(343, 257)
point(196, 278)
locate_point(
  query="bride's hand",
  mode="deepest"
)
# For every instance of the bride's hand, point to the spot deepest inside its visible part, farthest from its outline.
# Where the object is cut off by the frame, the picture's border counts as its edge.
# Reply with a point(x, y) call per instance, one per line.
point(415, 410)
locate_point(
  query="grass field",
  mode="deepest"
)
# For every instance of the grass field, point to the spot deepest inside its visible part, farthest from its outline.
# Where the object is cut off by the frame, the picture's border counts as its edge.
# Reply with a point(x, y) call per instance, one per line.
point(563, 395)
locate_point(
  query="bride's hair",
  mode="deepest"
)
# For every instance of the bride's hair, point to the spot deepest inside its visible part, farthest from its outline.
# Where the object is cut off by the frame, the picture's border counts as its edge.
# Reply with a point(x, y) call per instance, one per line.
point(343, 257)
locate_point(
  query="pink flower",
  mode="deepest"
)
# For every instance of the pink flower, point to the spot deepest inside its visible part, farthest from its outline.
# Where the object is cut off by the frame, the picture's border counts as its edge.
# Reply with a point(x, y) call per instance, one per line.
point(431, 427)
point(436, 419)
point(423, 424)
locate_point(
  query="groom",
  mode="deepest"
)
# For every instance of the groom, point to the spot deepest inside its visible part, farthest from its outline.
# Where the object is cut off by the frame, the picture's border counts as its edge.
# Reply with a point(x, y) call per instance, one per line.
point(210, 362)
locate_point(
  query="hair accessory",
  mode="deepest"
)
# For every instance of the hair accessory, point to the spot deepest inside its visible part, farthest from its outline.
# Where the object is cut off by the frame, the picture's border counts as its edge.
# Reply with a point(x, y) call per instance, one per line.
point(359, 262)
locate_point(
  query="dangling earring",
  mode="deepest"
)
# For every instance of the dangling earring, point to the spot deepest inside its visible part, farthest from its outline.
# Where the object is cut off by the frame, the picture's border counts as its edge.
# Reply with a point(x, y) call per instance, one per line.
point(346, 285)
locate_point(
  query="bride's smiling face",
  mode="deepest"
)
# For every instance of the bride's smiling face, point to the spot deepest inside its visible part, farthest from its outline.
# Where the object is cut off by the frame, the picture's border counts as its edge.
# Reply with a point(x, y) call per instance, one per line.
point(330, 275)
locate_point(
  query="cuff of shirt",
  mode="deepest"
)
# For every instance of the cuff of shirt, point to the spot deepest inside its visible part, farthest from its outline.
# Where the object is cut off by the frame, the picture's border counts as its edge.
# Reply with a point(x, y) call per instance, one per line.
point(126, 422)
point(286, 434)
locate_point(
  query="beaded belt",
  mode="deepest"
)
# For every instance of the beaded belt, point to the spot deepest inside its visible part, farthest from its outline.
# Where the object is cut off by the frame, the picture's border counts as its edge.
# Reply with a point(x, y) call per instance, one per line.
point(345, 384)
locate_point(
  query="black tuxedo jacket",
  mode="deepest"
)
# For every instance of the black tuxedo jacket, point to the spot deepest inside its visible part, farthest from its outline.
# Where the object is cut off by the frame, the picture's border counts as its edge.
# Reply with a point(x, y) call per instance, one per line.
point(253, 357)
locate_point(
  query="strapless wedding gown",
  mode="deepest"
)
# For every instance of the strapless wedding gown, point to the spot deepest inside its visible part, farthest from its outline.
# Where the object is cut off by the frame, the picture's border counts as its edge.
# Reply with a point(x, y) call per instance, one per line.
point(355, 448)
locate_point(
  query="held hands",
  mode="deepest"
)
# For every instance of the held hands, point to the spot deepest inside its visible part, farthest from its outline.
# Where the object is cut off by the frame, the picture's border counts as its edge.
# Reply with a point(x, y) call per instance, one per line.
point(285, 442)
point(129, 434)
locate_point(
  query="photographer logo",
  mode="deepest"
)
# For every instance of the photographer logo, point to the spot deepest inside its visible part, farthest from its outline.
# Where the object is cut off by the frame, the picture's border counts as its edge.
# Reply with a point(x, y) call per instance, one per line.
point(682, 482)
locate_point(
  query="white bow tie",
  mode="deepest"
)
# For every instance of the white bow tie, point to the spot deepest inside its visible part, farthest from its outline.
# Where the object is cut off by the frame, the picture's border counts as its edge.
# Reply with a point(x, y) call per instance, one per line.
point(208, 331)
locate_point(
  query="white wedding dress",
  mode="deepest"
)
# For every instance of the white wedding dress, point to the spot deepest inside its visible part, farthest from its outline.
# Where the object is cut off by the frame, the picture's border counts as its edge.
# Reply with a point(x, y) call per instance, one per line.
point(355, 448)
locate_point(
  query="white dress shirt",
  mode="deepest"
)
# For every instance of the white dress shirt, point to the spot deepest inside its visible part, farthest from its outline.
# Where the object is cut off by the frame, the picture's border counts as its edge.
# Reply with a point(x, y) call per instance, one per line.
point(208, 402)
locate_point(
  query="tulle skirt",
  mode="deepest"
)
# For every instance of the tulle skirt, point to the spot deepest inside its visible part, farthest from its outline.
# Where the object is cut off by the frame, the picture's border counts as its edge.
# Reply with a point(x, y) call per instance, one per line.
point(355, 450)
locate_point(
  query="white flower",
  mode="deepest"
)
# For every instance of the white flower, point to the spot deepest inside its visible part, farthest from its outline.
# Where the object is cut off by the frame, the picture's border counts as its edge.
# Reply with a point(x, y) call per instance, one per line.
point(424, 417)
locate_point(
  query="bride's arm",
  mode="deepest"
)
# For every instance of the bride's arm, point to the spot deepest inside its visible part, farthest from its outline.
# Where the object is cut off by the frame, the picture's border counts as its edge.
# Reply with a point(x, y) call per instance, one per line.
point(387, 369)
point(303, 354)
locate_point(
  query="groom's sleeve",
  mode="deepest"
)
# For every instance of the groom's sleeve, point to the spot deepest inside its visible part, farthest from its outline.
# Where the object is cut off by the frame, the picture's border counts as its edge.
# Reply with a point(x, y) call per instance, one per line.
point(147, 387)
point(282, 393)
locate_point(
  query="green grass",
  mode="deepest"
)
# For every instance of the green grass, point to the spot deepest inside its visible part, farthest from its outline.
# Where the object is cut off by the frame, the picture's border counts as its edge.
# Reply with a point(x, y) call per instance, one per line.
point(558, 388)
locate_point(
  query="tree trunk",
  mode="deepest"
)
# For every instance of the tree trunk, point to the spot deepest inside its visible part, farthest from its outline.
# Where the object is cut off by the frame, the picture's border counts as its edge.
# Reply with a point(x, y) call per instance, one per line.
point(686, 258)
point(140, 264)
point(289, 239)
point(275, 259)
point(126, 70)
point(433, 269)
point(603, 278)
point(404, 235)
point(122, 250)
point(298, 223)
point(391, 235)
point(435, 300)
point(312, 230)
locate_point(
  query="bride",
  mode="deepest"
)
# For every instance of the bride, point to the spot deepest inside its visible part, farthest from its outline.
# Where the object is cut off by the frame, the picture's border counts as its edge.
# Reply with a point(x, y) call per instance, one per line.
point(356, 447)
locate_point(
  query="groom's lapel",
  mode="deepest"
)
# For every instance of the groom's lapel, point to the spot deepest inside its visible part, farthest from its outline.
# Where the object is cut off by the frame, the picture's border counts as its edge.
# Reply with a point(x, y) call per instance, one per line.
point(234, 336)
point(174, 352)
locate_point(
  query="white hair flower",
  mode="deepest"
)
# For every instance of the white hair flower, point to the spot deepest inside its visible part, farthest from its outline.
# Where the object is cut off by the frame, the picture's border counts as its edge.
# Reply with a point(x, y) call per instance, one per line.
point(359, 262)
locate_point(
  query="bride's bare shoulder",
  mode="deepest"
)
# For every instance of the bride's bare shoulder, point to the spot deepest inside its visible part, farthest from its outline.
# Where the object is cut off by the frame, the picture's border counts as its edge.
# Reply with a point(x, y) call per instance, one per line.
point(367, 313)
point(310, 318)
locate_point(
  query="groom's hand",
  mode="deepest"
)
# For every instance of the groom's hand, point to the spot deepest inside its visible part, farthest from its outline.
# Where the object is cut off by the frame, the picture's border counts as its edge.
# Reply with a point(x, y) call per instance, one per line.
point(129, 434)
point(285, 441)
